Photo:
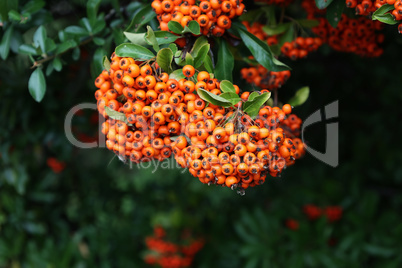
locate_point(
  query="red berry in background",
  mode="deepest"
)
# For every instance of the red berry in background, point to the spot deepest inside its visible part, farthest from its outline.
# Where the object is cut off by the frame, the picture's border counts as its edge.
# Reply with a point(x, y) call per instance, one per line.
point(333, 213)
point(313, 212)
point(292, 224)
point(56, 165)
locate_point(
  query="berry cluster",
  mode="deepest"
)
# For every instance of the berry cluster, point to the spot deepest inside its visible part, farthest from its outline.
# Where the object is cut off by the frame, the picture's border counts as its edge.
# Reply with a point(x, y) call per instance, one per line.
point(292, 125)
point(367, 7)
point(357, 36)
point(296, 49)
point(149, 116)
point(300, 47)
point(213, 16)
point(263, 78)
point(168, 254)
point(241, 152)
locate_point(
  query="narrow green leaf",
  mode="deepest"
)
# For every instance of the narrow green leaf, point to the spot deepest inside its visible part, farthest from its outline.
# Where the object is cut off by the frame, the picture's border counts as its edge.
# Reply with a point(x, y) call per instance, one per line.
point(386, 18)
point(116, 115)
point(300, 97)
point(141, 18)
point(87, 25)
point(193, 27)
point(37, 85)
point(260, 50)
point(308, 23)
point(14, 15)
point(5, 43)
point(40, 38)
point(32, 6)
point(50, 45)
point(384, 9)
point(27, 49)
point(230, 96)
point(253, 107)
point(287, 36)
point(151, 39)
point(65, 46)
point(76, 53)
point(212, 98)
point(134, 51)
point(321, 4)
point(200, 57)
point(175, 27)
point(189, 59)
point(76, 30)
point(173, 47)
point(227, 86)
point(49, 69)
point(92, 9)
point(177, 74)
point(208, 64)
point(98, 26)
point(106, 63)
point(57, 64)
point(164, 58)
point(162, 37)
point(99, 41)
point(178, 59)
point(252, 95)
point(137, 38)
point(225, 64)
point(334, 12)
point(198, 44)
point(278, 29)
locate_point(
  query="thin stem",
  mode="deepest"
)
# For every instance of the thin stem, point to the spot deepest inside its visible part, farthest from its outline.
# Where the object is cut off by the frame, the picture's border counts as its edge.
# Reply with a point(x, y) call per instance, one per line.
point(40, 62)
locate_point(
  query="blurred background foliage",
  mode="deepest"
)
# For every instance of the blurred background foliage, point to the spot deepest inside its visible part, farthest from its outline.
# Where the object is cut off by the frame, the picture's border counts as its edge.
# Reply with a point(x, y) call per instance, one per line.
point(61, 206)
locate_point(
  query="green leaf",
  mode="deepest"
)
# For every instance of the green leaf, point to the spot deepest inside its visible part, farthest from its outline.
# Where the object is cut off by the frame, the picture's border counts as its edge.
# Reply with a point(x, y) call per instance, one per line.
point(252, 95)
point(300, 97)
point(49, 69)
point(85, 22)
point(106, 63)
point(193, 27)
point(334, 12)
point(5, 43)
point(76, 30)
point(227, 86)
point(98, 26)
point(260, 50)
point(116, 115)
point(99, 41)
point(308, 23)
point(287, 36)
point(384, 9)
point(177, 74)
point(57, 64)
point(175, 27)
point(212, 98)
point(178, 58)
point(225, 64)
point(37, 85)
point(173, 47)
point(50, 45)
point(278, 29)
point(164, 58)
point(33, 6)
point(92, 9)
point(208, 64)
point(76, 53)
point(151, 39)
point(141, 18)
point(198, 44)
point(134, 51)
point(253, 107)
point(230, 96)
point(162, 37)
point(386, 18)
point(200, 57)
point(321, 4)
point(189, 59)
point(40, 38)
point(379, 251)
point(14, 15)
point(27, 49)
point(65, 46)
